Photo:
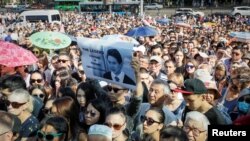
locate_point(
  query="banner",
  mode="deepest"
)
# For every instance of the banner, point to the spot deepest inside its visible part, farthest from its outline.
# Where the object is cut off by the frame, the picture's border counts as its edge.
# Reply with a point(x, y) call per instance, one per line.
point(108, 61)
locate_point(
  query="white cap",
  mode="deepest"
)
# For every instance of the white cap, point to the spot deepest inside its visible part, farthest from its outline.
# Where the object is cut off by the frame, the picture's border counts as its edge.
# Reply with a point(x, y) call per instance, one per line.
point(140, 48)
point(156, 58)
point(103, 130)
point(203, 55)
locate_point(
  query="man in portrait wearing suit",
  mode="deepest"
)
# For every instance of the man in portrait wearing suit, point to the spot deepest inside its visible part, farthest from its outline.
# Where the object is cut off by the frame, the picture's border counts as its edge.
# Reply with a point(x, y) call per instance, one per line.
point(115, 64)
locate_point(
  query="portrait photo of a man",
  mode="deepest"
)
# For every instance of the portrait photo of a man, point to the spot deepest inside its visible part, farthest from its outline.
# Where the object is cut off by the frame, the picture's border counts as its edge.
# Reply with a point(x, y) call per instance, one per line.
point(115, 64)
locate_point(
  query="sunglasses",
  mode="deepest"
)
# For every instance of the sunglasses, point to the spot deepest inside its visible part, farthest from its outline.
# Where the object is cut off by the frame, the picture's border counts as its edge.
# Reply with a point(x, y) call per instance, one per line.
point(15, 105)
point(110, 88)
point(35, 52)
point(39, 95)
point(49, 136)
point(114, 126)
point(36, 80)
point(189, 66)
point(149, 121)
point(63, 61)
point(92, 114)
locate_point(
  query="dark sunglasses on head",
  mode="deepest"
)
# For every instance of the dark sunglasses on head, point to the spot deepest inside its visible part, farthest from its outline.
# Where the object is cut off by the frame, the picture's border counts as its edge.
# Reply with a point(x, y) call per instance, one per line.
point(14, 104)
point(149, 121)
point(63, 61)
point(110, 88)
point(115, 126)
point(49, 136)
point(189, 66)
point(36, 80)
point(92, 114)
point(39, 95)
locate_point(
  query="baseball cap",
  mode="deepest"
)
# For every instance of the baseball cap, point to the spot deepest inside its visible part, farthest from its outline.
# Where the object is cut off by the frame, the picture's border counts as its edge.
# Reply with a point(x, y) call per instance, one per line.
point(98, 129)
point(192, 86)
point(211, 85)
point(140, 48)
point(156, 58)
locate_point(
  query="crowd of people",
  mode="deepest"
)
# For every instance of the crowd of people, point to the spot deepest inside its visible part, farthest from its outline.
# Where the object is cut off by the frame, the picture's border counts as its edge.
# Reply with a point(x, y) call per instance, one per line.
point(187, 78)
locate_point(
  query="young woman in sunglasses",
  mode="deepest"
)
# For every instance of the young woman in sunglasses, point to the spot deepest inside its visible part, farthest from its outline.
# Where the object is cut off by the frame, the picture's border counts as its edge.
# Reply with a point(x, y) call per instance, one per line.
point(116, 119)
point(190, 68)
point(95, 113)
point(53, 128)
point(39, 92)
point(153, 122)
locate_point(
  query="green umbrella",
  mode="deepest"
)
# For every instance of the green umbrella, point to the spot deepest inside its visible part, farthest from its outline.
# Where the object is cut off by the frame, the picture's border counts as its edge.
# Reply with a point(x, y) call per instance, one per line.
point(50, 40)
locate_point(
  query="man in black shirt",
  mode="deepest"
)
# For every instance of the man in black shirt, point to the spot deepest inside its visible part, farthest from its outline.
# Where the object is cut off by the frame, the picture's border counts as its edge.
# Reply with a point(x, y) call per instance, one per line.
point(194, 92)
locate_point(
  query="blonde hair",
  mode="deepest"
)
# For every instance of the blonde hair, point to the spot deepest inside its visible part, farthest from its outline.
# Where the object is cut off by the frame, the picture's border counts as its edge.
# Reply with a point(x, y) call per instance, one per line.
point(176, 78)
point(25, 95)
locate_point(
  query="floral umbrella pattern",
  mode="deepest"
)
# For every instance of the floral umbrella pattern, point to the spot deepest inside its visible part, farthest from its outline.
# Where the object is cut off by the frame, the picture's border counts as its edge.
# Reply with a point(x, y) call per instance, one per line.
point(12, 55)
point(50, 40)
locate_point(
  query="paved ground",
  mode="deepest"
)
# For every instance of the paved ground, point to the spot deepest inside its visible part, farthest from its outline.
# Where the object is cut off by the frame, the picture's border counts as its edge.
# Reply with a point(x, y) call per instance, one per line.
point(171, 11)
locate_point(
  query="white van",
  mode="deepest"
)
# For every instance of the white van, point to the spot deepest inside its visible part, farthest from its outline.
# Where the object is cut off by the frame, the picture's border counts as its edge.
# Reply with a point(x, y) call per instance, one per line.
point(40, 15)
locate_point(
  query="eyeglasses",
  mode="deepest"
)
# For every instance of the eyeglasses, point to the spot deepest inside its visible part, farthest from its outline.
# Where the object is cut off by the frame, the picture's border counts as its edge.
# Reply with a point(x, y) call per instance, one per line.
point(63, 61)
point(36, 80)
point(92, 113)
point(110, 88)
point(195, 131)
point(148, 120)
point(189, 66)
point(49, 136)
point(38, 95)
point(115, 126)
point(15, 105)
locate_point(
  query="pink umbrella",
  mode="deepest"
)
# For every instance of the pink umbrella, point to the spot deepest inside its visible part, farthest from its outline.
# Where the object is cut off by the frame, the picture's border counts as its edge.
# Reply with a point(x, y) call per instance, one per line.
point(12, 55)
